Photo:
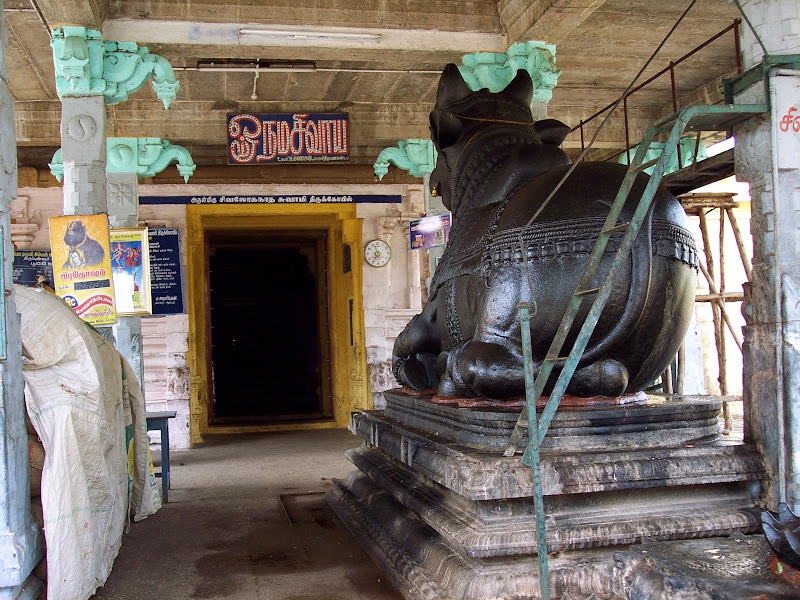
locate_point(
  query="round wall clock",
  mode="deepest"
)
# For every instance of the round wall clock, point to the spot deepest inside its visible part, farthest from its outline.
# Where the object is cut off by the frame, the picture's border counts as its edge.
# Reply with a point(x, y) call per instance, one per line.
point(377, 253)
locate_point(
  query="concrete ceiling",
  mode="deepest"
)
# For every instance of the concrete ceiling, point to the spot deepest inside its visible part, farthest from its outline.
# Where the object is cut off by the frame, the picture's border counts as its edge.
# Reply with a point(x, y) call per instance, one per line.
point(388, 88)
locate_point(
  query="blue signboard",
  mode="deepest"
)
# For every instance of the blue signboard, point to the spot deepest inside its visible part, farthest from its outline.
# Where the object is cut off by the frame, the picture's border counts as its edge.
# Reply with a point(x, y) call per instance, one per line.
point(166, 286)
point(29, 264)
point(280, 199)
point(282, 138)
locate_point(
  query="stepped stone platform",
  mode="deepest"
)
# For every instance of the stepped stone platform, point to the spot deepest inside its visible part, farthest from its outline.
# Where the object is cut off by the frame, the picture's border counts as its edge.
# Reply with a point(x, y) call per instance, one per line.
point(739, 567)
point(447, 516)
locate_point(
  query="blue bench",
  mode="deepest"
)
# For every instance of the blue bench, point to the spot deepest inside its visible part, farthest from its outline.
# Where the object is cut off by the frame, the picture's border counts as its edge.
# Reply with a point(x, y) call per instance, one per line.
point(158, 421)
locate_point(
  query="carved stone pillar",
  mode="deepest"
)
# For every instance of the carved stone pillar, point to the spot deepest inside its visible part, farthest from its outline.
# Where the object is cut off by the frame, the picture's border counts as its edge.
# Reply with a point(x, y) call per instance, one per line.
point(83, 151)
point(20, 537)
point(123, 211)
point(86, 82)
point(123, 200)
point(767, 156)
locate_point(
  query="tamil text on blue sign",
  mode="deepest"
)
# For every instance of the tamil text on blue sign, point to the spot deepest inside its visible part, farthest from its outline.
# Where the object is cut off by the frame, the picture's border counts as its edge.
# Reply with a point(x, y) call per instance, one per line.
point(299, 137)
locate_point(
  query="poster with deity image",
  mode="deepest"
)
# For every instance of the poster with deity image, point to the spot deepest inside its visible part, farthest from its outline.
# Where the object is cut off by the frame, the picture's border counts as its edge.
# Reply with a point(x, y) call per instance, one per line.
point(130, 263)
point(82, 266)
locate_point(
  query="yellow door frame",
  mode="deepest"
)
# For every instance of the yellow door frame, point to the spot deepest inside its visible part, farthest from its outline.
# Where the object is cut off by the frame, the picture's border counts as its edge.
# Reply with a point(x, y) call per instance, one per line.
point(349, 379)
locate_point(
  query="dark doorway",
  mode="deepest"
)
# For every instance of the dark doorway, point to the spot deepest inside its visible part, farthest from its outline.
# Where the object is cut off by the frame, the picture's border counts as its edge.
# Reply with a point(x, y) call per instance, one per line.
point(268, 316)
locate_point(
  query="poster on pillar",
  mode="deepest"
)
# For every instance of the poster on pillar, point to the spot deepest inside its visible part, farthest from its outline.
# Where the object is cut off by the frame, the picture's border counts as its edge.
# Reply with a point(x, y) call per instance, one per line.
point(130, 261)
point(82, 266)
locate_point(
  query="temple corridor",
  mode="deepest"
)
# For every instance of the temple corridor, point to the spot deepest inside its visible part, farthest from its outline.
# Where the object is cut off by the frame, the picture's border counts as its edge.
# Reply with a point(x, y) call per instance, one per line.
point(247, 518)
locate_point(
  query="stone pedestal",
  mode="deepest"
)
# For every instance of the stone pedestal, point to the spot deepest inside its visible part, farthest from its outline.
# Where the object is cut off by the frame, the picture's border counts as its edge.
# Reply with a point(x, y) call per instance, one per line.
point(445, 515)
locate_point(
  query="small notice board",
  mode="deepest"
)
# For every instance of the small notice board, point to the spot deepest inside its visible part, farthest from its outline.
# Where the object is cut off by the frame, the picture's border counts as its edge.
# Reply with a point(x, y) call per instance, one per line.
point(166, 285)
point(29, 264)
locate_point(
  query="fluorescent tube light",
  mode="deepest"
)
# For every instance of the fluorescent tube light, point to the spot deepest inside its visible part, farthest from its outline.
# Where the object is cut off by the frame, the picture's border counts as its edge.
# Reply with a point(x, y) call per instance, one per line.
point(255, 66)
point(304, 35)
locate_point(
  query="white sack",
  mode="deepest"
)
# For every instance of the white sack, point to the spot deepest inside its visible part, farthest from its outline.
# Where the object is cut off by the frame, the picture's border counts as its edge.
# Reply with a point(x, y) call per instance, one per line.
point(95, 439)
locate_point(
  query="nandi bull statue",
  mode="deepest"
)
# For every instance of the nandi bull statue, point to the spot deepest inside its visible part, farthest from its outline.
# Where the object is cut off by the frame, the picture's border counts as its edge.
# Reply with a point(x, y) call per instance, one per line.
point(495, 168)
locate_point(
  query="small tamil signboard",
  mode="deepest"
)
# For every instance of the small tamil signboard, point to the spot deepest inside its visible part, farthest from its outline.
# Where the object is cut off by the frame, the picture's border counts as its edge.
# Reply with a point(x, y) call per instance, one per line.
point(82, 266)
point(30, 264)
point(429, 232)
point(165, 271)
point(283, 138)
point(130, 253)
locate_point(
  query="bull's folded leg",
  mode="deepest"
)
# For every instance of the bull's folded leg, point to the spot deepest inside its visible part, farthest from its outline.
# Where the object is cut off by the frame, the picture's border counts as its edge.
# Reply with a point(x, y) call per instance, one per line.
point(417, 372)
point(486, 369)
point(602, 378)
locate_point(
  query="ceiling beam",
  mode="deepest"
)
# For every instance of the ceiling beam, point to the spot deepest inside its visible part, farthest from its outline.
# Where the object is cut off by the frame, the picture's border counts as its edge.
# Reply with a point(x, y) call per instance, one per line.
point(82, 13)
point(147, 31)
point(549, 21)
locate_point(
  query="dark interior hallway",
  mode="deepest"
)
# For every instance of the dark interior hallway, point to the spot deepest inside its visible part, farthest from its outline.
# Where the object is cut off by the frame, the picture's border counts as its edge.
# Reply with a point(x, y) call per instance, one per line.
point(247, 520)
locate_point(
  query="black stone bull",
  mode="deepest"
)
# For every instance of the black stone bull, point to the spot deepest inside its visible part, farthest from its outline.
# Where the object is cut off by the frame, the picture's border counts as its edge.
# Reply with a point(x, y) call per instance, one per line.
point(495, 168)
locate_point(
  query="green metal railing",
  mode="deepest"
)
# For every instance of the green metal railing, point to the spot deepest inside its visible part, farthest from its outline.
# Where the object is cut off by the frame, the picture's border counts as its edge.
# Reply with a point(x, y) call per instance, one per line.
point(689, 119)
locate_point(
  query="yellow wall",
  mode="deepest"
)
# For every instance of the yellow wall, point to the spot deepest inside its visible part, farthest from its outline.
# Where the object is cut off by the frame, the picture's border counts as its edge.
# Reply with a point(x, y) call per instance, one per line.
point(350, 382)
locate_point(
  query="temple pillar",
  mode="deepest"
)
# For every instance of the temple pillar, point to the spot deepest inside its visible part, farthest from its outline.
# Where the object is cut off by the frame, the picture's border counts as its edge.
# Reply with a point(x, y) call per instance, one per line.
point(123, 211)
point(20, 537)
point(768, 158)
point(83, 151)
point(85, 88)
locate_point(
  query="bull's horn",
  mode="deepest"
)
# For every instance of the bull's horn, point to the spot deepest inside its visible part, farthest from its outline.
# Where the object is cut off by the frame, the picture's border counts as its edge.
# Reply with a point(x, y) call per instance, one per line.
point(452, 87)
point(520, 88)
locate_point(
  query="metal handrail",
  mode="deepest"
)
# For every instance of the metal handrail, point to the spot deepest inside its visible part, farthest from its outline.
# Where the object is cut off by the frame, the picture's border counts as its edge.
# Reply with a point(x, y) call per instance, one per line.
point(668, 69)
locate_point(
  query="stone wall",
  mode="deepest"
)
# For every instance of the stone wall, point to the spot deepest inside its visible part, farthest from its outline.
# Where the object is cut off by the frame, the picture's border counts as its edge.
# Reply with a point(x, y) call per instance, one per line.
point(393, 293)
point(165, 338)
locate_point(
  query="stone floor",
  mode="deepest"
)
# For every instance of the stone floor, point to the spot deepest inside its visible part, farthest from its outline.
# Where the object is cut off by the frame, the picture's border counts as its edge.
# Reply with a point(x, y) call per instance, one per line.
point(247, 519)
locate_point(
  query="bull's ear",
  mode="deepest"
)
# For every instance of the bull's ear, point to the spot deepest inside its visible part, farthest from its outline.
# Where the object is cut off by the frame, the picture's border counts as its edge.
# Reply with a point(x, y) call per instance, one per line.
point(520, 88)
point(551, 131)
point(452, 87)
point(446, 128)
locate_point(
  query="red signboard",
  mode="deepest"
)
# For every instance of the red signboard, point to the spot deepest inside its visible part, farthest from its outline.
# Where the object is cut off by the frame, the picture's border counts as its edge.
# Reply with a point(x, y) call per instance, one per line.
point(282, 138)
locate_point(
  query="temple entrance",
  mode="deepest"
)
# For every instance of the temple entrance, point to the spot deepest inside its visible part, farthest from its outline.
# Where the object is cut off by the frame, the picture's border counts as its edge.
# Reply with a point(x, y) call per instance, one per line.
point(268, 342)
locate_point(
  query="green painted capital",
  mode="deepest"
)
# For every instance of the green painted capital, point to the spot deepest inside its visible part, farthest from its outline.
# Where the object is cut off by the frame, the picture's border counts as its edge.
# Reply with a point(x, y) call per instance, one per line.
point(78, 60)
point(418, 157)
point(144, 156)
point(495, 70)
point(88, 66)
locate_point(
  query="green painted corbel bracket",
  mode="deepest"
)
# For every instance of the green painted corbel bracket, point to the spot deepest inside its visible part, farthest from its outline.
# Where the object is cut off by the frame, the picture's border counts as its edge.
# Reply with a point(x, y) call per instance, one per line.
point(144, 156)
point(495, 70)
point(418, 157)
point(126, 66)
point(88, 66)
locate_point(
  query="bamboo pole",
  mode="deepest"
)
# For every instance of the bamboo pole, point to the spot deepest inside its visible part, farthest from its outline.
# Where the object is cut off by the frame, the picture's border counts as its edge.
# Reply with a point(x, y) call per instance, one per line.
point(723, 367)
point(748, 267)
point(726, 297)
point(710, 277)
point(681, 369)
point(721, 306)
